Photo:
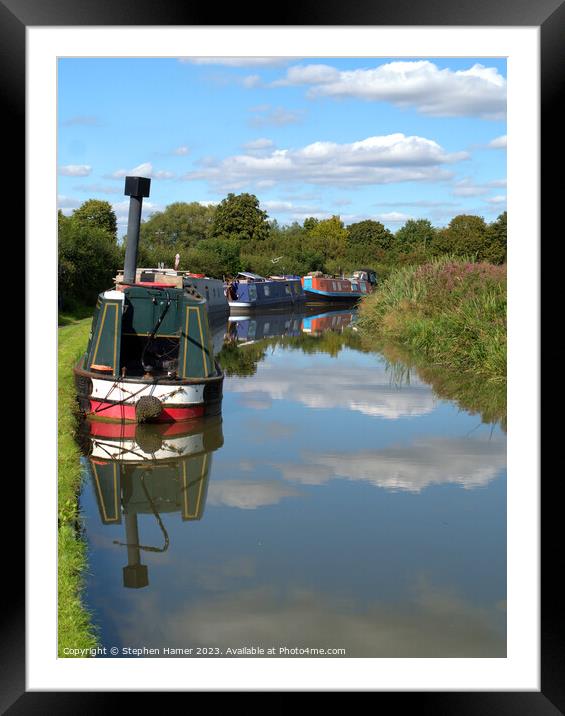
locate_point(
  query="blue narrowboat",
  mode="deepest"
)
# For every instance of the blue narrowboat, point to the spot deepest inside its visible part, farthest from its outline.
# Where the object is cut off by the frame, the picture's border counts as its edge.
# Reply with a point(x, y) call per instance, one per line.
point(249, 292)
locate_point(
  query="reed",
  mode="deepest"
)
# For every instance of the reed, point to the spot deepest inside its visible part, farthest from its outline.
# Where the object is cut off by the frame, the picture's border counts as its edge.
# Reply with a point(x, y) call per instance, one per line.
point(451, 312)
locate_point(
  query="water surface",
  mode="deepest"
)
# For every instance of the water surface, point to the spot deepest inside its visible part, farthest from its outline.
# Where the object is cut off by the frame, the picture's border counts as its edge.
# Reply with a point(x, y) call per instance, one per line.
point(333, 507)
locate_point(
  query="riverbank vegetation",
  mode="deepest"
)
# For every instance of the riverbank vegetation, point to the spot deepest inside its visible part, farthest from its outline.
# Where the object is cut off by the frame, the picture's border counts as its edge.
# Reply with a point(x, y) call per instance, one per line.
point(75, 629)
point(449, 313)
point(238, 235)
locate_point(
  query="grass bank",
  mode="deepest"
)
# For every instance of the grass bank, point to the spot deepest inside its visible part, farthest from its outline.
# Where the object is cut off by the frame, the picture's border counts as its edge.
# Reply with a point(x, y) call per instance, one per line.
point(75, 629)
point(449, 314)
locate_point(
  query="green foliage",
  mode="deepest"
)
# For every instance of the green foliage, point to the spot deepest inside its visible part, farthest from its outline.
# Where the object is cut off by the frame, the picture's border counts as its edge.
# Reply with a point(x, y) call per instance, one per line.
point(369, 233)
point(465, 235)
point(238, 216)
point(214, 257)
point(451, 312)
point(416, 233)
point(495, 251)
point(179, 227)
point(328, 238)
point(97, 214)
point(88, 259)
point(75, 628)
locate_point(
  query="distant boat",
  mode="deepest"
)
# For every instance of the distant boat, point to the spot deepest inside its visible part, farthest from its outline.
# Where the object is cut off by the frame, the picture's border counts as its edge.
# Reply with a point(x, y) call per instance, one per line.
point(249, 292)
point(320, 287)
point(213, 291)
point(149, 356)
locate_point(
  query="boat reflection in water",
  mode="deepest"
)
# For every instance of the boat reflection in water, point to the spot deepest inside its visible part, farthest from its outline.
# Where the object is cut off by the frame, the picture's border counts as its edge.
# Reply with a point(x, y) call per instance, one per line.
point(269, 325)
point(143, 469)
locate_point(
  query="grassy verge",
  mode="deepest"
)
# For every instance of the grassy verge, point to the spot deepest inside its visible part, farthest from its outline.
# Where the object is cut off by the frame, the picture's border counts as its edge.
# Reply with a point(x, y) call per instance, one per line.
point(75, 629)
point(449, 316)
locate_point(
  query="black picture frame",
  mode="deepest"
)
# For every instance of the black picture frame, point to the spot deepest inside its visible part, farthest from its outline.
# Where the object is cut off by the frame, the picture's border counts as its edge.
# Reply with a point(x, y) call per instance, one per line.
point(549, 16)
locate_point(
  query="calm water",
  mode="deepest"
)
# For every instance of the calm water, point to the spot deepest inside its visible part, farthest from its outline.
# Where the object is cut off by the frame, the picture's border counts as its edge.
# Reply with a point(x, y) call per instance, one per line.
point(333, 506)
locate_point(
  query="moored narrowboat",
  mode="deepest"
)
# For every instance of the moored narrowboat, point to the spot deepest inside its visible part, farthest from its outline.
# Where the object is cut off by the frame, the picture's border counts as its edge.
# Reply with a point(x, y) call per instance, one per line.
point(149, 356)
point(320, 287)
point(250, 292)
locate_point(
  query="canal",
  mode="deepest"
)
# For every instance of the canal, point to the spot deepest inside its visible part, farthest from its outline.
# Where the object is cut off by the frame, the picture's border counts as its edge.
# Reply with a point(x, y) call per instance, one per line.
point(338, 504)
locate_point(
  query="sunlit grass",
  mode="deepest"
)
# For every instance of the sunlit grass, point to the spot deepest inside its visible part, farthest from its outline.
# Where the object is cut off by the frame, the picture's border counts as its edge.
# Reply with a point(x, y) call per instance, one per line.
point(450, 313)
point(75, 629)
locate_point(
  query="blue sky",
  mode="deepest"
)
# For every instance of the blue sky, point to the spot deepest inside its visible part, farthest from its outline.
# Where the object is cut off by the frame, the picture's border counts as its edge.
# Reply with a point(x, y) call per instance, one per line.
point(384, 138)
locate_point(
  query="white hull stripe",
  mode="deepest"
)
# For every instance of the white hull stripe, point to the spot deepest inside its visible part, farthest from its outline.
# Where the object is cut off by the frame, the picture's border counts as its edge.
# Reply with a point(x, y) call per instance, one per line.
point(130, 393)
point(130, 451)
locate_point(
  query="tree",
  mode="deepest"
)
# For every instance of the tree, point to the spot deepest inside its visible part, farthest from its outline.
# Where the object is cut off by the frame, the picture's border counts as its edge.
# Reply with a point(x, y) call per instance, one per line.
point(97, 214)
point(215, 257)
point(369, 233)
point(310, 223)
point(328, 238)
point(88, 259)
point(180, 226)
point(465, 235)
point(238, 216)
point(415, 233)
point(495, 252)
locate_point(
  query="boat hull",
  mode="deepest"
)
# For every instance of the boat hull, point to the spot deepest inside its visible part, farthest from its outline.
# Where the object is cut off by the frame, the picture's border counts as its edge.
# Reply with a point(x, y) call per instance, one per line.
point(117, 400)
point(331, 296)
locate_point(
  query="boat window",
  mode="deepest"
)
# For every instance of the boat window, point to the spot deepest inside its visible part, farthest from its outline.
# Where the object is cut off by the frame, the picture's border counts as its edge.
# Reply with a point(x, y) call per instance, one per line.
point(287, 289)
point(267, 290)
point(252, 292)
point(334, 286)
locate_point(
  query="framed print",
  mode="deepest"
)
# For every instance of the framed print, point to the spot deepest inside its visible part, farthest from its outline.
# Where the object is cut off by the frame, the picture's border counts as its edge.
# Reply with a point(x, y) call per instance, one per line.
point(269, 518)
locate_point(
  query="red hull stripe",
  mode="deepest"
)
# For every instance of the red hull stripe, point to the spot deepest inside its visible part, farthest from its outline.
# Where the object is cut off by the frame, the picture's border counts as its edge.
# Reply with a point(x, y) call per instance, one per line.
point(126, 431)
point(122, 412)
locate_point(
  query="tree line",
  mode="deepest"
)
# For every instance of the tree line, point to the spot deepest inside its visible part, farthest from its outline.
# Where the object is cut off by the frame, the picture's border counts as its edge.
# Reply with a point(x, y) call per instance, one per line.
point(238, 235)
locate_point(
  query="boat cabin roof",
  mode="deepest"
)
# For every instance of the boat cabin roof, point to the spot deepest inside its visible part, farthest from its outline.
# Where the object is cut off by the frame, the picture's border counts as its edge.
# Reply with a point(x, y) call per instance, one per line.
point(252, 276)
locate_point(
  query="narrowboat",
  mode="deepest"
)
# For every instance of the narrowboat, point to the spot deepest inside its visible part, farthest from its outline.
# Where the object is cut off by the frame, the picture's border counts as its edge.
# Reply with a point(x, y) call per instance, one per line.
point(139, 472)
point(250, 292)
point(323, 288)
point(149, 356)
point(212, 289)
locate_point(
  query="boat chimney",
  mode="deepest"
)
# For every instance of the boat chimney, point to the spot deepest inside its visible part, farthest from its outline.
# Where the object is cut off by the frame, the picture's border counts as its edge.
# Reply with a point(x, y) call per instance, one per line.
point(136, 188)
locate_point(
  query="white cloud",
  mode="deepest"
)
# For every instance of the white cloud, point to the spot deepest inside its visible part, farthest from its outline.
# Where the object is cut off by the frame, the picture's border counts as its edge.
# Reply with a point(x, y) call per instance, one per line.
point(261, 144)
point(67, 203)
point(468, 187)
point(470, 463)
point(431, 203)
point(247, 495)
point(364, 389)
point(121, 209)
point(478, 91)
point(143, 170)
point(238, 61)
point(181, 151)
point(98, 188)
point(251, 81)
point(374, 160)
point(393, 217)
point(498, 142)
point(75, 170)
point(422, 620)
point(265, 116)
point(500, 199)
